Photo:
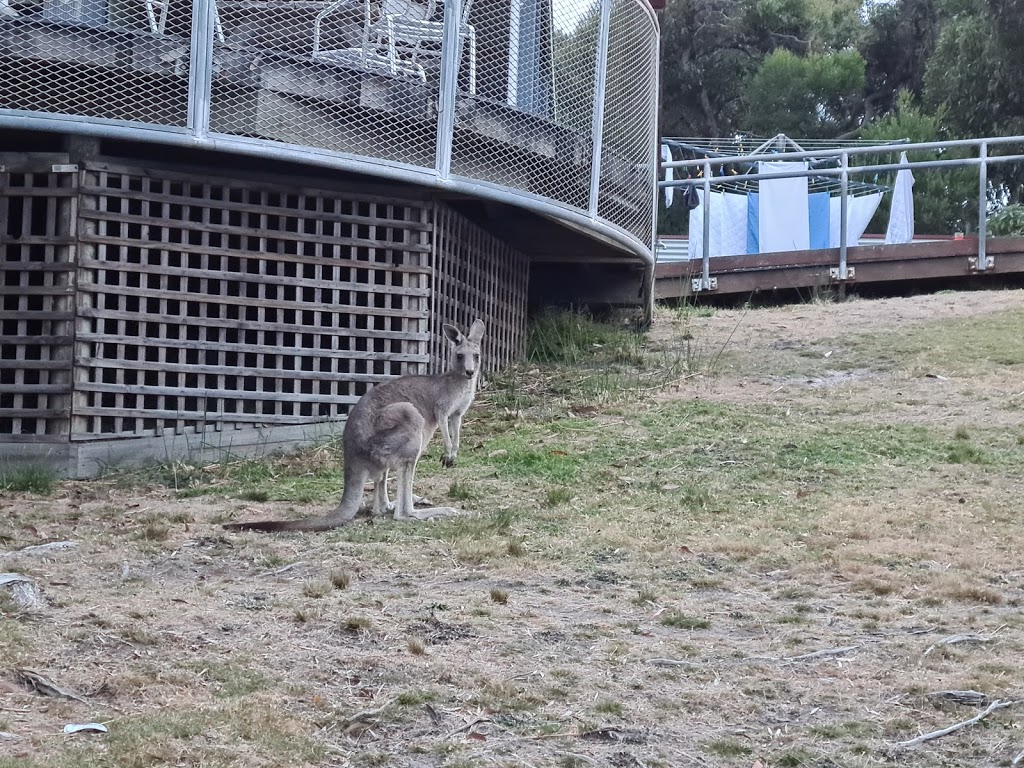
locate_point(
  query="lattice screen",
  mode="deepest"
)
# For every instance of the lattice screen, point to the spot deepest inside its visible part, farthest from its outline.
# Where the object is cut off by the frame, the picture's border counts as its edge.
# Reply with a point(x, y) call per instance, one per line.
point(36, 304)
point(478, 276)
point(204, 303)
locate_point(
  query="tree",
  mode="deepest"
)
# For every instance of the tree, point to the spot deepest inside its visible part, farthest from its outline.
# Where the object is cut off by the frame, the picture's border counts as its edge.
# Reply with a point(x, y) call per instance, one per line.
point(705, 60)
point(898, 40)
point(813, 96)
point(945, 201)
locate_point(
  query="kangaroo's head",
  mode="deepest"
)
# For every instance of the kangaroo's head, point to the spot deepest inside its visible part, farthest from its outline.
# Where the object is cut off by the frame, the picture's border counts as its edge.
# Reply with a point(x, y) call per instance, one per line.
point(466, 352)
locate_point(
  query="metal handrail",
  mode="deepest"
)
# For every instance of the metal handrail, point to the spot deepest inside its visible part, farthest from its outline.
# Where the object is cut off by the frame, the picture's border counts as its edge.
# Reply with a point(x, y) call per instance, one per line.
point(843, 273)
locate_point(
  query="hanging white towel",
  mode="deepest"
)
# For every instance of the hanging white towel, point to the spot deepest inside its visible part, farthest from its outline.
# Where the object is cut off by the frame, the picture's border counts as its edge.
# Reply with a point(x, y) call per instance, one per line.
point(858, 215)
point(728, 226)
point(666, 157)
point(783, 216)
point(901, 215)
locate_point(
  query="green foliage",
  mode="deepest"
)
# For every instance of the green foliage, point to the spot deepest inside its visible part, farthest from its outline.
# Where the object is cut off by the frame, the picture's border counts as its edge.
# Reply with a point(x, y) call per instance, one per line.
point(817, 95)
point(1008, 222)
point(30, 479)
point(944, 201)
point(568, 338)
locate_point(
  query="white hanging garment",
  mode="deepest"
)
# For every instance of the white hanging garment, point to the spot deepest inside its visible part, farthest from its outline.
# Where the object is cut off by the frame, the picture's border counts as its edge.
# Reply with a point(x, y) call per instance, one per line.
point(901, 216)
point(783, 215)
point(666, 157)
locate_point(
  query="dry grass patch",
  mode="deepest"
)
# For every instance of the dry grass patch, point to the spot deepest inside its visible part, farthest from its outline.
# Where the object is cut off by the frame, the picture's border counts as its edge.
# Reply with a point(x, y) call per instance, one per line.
point(747, 564)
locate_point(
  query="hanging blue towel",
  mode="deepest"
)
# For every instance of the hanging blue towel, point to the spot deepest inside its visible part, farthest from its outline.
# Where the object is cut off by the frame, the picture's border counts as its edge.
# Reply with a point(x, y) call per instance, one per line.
point(817, 210)
point(752, 223)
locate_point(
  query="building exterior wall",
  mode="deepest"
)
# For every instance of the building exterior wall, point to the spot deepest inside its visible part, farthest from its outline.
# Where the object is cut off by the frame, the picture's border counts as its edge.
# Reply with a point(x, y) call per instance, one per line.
point(147, 305)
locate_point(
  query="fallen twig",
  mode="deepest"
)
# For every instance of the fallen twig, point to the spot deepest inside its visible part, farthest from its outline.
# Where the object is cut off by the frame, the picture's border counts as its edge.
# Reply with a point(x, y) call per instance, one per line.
point(955, 639)
point(284, 568)
point(45, 686)
point(670, 663)
point(971, 698)
point(1016, 761)
point(995, 705)
point(823, 653)
point(469, 726)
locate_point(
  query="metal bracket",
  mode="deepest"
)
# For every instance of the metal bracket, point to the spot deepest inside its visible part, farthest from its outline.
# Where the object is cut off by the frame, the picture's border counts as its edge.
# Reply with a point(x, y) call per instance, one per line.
point(698, 284)
point(65, 168)
point(836, 274)
point(972, 263)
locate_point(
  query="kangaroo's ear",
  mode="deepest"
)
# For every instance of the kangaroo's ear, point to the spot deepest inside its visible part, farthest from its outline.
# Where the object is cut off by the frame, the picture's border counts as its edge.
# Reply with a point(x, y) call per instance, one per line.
point(476, 331)
point(453, 334)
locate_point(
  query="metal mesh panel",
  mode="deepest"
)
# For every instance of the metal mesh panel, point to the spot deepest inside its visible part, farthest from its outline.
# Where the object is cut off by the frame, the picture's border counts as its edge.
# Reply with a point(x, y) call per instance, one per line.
point(217, 302)
point(342, 75)
point(36, 304)
point(628, 169)
point(116, 59)
point(528, 121)
point(478, 276)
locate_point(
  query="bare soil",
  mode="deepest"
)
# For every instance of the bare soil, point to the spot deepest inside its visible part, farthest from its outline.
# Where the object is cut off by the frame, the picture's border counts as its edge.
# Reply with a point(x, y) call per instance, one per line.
point(812, 629)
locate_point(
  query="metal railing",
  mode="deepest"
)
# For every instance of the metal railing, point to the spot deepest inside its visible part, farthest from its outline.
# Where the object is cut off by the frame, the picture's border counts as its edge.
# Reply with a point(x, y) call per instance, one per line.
point(547, 105)
point(842, 272)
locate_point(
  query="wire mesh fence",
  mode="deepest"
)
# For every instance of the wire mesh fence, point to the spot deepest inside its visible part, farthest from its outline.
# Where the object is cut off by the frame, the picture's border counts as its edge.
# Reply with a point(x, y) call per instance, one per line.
point(506, 92)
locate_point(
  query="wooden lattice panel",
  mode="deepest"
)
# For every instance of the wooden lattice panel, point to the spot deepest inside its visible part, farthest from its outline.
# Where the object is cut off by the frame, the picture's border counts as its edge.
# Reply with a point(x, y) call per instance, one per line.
point(36, 302)
point(478, 276)
point(205, 302)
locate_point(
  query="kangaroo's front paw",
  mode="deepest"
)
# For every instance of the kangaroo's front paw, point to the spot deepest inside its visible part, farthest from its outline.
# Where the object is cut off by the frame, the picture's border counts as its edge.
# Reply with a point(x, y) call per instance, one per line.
point(448, 460)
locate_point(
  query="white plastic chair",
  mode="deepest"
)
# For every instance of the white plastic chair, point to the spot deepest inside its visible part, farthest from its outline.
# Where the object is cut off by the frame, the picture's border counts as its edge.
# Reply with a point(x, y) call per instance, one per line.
point(368, 54)
point(408, 25)
point(156, 13)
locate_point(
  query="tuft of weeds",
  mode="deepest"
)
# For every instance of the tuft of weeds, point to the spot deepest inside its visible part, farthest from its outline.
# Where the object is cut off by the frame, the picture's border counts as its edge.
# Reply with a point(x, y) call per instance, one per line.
point(645, 595)
point(516, 547)
point(356, 624)
point(155, 530)
point(416, 645)
point(317, 589)
point(679, 620)
point(29, 479)
point(609, 707)
point(499, 596)
point(555, 497)
point(460, 491)
point(306, 614)
point(341, 579)
point(963, 452)
point(727, 748)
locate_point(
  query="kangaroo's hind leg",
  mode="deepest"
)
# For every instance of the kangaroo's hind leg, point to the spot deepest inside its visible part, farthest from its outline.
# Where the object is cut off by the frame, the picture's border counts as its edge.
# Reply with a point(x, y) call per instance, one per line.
point(381, 503)
point(404, 508)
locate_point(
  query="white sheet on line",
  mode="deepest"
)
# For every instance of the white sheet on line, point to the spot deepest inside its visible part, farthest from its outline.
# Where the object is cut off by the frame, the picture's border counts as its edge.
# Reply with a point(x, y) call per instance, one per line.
point(783, 218)
point(728, 226)
point(901, 215)
point(858, 216)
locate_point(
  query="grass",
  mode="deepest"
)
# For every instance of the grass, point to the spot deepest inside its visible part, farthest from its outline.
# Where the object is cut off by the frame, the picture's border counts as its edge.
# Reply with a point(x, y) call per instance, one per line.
point(648, 551)
point(29, 479)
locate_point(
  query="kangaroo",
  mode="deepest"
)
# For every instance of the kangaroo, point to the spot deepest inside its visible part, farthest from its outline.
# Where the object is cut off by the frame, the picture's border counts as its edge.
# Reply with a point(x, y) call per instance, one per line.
point(389, 429)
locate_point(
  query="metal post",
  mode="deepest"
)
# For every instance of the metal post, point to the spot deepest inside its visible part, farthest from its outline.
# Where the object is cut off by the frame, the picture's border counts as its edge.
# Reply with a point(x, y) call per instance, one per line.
point(451, 49)
point(982, 206)
point(597, 127)
point(200, 68)
point(844, 211)
point(705, 275)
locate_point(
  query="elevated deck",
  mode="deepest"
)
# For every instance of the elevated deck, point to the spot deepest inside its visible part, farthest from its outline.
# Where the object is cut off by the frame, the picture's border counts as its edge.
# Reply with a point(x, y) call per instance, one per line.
point(920, 260)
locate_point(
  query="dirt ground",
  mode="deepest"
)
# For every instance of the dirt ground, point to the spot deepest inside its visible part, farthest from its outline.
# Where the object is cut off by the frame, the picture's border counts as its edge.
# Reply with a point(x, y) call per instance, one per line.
point(818, 616)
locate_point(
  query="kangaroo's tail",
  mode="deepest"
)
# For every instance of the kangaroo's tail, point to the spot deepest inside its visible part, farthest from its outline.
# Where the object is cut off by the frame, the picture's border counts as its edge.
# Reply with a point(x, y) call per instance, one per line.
point(351, 498)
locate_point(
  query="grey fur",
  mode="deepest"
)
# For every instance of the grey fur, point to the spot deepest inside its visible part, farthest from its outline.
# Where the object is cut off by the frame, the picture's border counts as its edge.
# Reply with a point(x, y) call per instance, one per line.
point(389, 429)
